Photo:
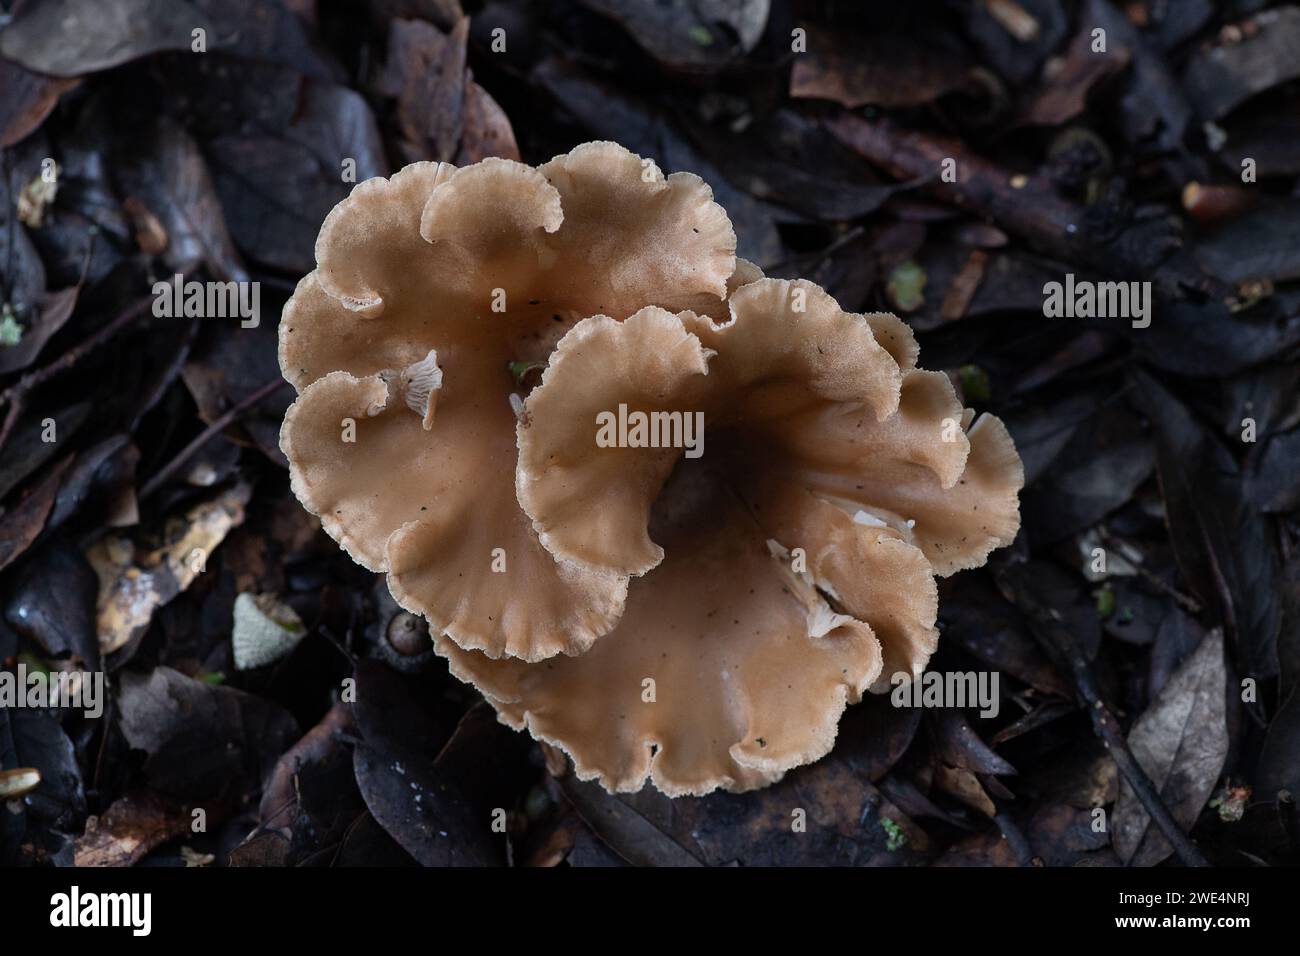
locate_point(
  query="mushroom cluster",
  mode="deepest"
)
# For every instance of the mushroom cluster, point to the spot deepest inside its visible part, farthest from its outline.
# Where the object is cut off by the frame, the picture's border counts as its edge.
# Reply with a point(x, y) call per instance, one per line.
point(694, 613)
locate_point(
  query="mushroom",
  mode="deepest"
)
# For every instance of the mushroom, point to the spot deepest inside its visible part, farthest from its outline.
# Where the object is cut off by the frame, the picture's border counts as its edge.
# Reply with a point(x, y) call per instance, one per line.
point(429, 288)
point(781, 574)
point(265, 630)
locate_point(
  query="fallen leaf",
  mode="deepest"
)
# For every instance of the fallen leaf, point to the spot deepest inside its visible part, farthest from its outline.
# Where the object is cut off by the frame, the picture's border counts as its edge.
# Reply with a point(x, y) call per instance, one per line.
point(425, 72)
point(31, 738)
point(72, 37)
point(133, 826)
point(425, 811)
point(279, 796)
point(1181, 741)
point(52, 603)
point(1065, 93)
point(22, 524)
point(692, 34)
point(890, 70)
point(623, 829)
point(165, 170)
point(276, 186)
point(29, 99)
point(1222, 76)
point(131, 589)
point(1223, 545)
point(55, 310)
point(203, 742)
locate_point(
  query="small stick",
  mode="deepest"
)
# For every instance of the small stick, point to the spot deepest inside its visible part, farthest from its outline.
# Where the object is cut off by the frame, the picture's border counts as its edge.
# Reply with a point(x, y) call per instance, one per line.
point(1107, 728)
point(1016, 840)
point(234, 412)
point(15, 396)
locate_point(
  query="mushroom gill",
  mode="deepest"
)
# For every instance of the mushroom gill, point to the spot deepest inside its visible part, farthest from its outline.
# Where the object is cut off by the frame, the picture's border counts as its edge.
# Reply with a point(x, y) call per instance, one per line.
point(430, 288)
point(780, 574)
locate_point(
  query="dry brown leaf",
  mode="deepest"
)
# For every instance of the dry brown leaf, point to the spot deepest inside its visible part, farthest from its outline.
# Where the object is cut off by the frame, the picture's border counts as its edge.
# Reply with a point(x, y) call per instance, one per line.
point(131, 589)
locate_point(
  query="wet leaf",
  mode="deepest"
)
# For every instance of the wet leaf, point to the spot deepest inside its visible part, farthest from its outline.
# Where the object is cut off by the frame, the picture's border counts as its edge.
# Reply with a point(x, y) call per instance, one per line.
point(626, 831)
point(29, 98)
point(959, 746)
point(1100, 468)
point(1280, 757)
point(824, 814)
point(277, 185)
point(705, 34)
point(1065, 94)
point(167, 173)
point(55, 309)
point(793, 161)
point(1259, 245)
point(883, 69)
point(1221, 76)
point(269, 30)
point(1058, 836)
point(1223, 544)
point(52, 604)
point(1181, 741)
point(130, 829)
point(203, 742)
point(72, 37)
point(425, 812)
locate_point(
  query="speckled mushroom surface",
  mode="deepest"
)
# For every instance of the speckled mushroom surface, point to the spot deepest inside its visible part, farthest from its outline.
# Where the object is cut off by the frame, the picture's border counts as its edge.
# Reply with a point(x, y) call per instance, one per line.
point(695, 612)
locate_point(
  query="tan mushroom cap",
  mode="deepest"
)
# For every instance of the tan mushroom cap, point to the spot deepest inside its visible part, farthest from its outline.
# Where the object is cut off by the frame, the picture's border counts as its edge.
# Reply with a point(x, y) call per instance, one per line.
point(775, 591)
point(829, 401)
point(428, 286)
point(727, 669)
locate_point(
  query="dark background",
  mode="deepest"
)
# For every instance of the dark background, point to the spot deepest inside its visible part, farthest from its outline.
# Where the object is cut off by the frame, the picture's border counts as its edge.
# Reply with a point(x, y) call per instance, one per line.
point(1125, 164)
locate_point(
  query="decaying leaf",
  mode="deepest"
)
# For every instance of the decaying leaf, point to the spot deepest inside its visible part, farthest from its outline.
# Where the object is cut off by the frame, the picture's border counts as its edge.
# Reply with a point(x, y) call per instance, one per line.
point(203, 742)
point(72, 37)
point(1181, 742)
point(881, 69)
point(695, 34)
point(133, 826)
point(132, 587)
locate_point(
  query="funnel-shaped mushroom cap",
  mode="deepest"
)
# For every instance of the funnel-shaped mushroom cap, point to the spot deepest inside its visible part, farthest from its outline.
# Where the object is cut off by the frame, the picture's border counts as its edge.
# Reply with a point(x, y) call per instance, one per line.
point(787, 569)
point(431, 289)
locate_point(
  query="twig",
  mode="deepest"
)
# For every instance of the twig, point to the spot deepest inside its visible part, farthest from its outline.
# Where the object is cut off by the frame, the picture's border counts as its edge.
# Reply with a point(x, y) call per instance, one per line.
point(1064, 647)
point(15, 396)
point(810, 261)
point(326, 633)
point(234, 412)
point(1188, 604)
point(1027, 206)
point(1016, 839)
